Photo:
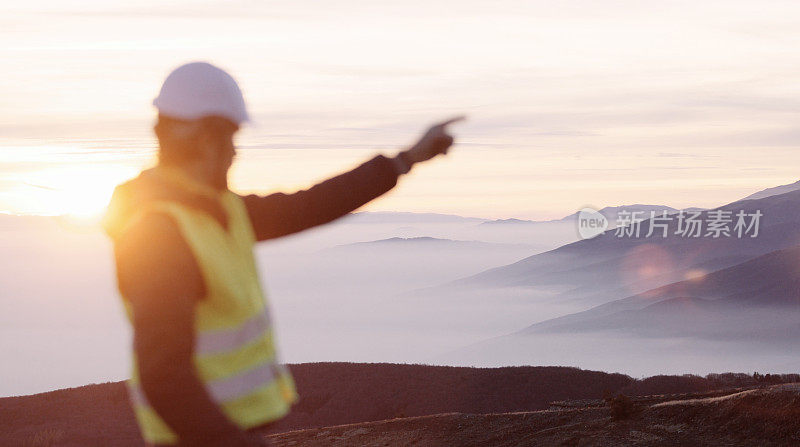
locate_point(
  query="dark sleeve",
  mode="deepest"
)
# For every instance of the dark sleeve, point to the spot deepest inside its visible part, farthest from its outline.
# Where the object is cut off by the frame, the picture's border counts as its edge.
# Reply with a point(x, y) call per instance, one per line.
point(158, 273)
point(280, 214)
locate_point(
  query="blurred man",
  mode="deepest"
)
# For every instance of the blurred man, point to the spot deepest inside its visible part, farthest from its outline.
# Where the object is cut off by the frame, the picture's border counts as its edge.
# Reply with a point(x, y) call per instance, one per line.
point(205, 368)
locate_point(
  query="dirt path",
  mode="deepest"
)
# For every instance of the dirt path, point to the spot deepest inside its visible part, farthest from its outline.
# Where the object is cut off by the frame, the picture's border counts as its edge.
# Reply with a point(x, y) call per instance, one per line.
point(760, 417)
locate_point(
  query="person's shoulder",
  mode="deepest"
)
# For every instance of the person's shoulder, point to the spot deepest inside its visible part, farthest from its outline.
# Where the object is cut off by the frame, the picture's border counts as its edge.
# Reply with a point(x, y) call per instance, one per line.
point(154, 259)
point(151, 229)
point(155, 243)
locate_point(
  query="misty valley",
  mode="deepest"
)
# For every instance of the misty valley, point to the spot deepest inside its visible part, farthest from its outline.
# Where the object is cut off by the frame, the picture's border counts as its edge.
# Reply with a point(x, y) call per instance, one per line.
point(448, 290)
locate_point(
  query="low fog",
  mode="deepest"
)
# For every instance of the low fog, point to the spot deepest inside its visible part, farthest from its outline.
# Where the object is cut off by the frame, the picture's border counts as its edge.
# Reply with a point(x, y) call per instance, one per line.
point(386, 287)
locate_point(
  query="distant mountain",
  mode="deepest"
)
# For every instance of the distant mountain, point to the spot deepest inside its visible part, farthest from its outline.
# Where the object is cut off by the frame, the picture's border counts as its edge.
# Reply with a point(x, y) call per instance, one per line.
point(694, 318)
point(598, 270)
point(777, 190)
point(757, 299)
point(511, 221)
point(432, 242)
point(610, 212)
point(402, 217)
point(613, 212)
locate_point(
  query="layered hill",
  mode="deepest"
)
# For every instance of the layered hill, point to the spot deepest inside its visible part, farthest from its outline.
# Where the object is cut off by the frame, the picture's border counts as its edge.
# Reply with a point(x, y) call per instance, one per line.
point(782, 189)
point(334, 394)
point(613, 212)
point(432, 242)
point(757, 299)
point(612, 265)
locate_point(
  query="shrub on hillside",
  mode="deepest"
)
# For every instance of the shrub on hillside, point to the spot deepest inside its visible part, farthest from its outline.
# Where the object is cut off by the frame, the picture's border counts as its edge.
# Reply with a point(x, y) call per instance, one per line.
point(621, 406)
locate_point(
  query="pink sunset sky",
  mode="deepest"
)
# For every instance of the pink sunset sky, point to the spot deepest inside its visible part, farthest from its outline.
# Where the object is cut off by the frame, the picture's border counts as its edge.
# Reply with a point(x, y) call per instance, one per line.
point(570, 103)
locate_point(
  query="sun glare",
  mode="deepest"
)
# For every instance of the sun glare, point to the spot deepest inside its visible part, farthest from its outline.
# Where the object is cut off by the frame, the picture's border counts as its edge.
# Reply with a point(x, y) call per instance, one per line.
point(78, 193)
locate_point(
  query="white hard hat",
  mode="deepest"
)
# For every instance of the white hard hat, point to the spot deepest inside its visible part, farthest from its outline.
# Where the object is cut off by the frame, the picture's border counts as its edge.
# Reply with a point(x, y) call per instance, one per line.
point(199, 89)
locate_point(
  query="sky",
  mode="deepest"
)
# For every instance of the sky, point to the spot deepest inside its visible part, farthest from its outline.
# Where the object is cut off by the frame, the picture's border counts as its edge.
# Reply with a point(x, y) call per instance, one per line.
point(569, 103)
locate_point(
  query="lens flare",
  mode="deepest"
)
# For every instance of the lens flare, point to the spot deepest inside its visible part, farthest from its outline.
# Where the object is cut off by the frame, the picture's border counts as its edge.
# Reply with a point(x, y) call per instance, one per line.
point(645, 267)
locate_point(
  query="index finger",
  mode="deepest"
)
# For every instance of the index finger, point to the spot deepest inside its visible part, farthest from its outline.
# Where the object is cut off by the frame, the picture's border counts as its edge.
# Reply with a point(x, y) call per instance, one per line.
point(451, 121)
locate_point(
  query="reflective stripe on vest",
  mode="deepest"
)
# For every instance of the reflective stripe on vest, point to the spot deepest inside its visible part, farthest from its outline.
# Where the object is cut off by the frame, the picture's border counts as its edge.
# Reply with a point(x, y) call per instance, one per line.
point(220, 341)
point(223, 340)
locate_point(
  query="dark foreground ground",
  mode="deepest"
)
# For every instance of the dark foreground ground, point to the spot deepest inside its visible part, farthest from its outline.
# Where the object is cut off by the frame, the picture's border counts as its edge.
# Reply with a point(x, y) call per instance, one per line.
point(346, 404)
point(759, 417)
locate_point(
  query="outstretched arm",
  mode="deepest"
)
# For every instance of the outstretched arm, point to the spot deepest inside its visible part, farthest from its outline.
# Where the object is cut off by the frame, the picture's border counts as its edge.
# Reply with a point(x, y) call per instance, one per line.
point(280, 214)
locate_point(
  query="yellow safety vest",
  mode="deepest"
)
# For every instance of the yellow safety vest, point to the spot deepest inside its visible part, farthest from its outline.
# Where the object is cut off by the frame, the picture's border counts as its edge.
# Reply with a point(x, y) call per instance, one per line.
point(235, 354)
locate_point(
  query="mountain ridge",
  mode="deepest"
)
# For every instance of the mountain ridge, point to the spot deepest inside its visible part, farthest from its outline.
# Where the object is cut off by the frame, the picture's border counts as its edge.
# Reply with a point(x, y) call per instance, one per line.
point(343, 394)
point(593, 268)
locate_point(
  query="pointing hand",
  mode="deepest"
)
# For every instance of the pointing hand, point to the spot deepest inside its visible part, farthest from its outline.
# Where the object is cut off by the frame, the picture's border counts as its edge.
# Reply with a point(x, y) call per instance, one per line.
point(435, 141)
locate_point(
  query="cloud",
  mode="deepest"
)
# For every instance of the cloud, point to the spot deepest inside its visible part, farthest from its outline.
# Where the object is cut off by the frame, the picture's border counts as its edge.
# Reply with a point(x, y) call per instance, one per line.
point(750, 102)
point(684, 155)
